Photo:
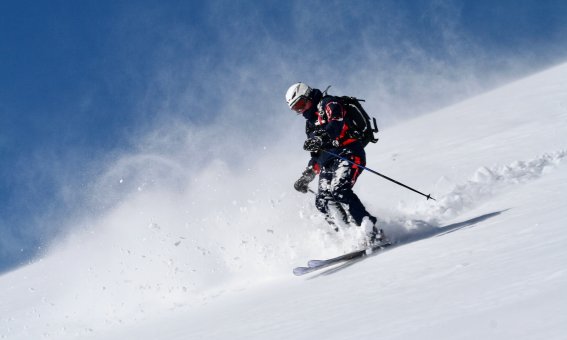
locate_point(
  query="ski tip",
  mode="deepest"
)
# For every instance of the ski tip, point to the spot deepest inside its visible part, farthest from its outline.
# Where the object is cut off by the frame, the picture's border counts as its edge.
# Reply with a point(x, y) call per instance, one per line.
point(315, 263)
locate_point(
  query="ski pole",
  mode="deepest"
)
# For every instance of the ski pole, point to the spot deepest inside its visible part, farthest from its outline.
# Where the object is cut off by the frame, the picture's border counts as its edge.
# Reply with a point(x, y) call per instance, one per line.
point(379, 174)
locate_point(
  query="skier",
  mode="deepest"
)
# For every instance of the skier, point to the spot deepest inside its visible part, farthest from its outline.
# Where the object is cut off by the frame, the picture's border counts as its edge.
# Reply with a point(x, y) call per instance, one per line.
point(326, 129)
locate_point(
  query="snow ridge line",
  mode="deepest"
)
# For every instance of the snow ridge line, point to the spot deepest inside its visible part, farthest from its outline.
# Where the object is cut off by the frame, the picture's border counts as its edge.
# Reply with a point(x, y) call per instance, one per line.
point(485, 183)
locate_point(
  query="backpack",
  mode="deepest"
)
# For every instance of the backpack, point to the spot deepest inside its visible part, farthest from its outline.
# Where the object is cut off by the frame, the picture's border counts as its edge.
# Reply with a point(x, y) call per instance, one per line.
point(358, 121)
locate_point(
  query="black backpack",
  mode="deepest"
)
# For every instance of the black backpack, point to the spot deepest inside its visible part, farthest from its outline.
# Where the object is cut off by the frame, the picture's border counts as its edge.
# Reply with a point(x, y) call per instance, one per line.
point(360, 125)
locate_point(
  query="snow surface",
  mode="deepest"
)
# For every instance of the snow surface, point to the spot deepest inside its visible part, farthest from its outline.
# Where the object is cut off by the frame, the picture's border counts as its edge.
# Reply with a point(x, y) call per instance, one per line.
point(163, 264)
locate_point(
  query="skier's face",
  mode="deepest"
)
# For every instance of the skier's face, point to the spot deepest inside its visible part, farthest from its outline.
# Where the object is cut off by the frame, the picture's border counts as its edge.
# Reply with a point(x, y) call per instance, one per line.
point(302, 104)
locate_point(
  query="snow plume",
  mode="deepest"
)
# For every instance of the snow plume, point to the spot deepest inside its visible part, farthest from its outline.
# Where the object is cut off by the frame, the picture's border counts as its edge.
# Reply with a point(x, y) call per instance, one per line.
point(177, 233)
point(485, 183)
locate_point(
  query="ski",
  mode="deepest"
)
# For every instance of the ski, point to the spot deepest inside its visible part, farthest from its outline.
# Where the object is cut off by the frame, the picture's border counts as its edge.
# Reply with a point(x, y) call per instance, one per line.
point(314, 265)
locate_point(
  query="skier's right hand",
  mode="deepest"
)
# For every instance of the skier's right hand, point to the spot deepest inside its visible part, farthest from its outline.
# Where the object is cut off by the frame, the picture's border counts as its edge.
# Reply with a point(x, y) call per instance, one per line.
point(302, 184)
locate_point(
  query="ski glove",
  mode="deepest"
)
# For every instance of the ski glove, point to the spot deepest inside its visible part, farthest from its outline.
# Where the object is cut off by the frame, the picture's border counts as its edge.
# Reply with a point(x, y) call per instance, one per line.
point(313, 144)
point(302, 184)
point(317, 142)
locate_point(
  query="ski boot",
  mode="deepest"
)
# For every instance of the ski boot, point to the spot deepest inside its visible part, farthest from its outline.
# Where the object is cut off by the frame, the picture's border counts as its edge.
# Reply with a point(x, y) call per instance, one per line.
point(374, 236)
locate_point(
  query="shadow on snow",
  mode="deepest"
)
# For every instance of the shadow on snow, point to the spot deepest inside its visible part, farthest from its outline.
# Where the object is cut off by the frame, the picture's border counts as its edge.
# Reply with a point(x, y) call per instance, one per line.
point(423, 231)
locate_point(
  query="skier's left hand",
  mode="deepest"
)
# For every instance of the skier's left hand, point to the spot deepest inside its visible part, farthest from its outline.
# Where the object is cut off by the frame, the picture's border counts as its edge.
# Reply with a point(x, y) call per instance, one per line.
point(313, 144)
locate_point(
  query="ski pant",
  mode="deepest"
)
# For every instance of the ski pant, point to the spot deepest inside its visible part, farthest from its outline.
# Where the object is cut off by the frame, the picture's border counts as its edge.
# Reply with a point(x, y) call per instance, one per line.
point(336, 180)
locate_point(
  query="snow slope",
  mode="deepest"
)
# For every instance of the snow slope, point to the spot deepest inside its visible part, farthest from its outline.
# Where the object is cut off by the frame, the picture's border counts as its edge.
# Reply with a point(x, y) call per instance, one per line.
point(164, 265)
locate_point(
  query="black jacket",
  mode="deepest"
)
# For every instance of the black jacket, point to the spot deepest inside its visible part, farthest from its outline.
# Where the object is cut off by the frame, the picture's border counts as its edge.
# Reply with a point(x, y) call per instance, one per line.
point(328, 115)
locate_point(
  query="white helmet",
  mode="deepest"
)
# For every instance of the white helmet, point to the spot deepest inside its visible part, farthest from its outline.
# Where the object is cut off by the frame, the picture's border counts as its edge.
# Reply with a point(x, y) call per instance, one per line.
point(297, 96)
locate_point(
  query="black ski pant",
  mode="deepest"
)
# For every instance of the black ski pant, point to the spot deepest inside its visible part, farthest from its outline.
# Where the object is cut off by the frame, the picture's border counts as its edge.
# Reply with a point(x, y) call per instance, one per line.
point(336, 179)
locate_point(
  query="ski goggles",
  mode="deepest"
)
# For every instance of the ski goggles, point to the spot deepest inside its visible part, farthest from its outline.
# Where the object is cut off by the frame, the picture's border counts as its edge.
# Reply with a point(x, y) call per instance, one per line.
point(300, 104)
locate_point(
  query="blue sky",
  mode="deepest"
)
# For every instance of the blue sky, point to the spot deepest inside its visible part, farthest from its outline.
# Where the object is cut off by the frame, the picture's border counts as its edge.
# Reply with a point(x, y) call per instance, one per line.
point(84, 82)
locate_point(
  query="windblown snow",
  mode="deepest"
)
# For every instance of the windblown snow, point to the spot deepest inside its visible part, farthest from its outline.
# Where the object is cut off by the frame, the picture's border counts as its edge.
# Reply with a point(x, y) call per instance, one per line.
point(213, 258)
